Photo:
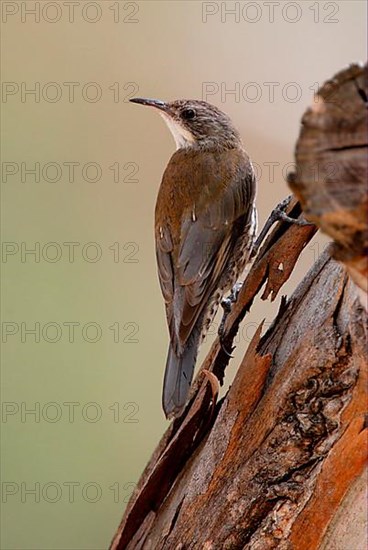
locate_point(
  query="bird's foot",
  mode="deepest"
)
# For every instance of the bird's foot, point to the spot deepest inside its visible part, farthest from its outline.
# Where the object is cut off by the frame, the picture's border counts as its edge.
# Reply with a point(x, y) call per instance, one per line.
point(226, 304)
point(235, 292)
point(228, 353)
point(277, 214)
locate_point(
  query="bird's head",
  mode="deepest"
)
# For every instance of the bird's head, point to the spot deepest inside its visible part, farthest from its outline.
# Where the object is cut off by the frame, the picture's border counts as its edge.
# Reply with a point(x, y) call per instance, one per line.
point(195, 123)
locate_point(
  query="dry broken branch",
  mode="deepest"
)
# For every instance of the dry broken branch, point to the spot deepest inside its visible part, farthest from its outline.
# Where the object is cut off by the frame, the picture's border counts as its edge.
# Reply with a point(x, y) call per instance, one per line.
point(331, 180)
point(274, 464)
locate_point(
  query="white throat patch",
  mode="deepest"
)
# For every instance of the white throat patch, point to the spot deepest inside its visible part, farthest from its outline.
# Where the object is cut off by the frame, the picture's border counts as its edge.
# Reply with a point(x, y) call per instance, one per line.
point(182, 137)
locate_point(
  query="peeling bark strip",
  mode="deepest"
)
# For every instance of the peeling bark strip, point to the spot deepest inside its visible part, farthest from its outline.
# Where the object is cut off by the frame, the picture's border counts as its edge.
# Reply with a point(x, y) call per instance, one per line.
point(284, 244)
point(278, 463)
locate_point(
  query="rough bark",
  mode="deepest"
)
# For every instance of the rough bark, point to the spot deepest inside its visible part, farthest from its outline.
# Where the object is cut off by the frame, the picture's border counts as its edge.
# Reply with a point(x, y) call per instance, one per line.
point(331, 179)
point(279, 462)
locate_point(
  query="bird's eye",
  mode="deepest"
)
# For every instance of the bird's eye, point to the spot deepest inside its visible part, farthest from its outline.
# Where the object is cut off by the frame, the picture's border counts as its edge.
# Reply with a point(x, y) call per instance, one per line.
point(188, 114)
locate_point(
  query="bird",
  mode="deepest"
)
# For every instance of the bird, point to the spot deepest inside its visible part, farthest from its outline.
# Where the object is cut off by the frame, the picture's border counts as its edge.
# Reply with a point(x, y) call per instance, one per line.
point(205, 224)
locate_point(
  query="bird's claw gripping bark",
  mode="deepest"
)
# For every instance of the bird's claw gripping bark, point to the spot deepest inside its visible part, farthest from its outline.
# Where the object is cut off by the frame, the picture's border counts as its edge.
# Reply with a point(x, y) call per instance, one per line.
point(226, 304)
point(277, 214)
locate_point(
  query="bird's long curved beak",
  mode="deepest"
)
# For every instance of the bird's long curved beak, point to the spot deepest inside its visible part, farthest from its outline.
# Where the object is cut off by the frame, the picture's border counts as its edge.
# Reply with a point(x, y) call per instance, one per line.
point(150, 102)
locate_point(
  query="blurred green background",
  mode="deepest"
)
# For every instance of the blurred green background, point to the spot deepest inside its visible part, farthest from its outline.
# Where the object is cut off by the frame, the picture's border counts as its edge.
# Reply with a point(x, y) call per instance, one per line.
point(91, 370)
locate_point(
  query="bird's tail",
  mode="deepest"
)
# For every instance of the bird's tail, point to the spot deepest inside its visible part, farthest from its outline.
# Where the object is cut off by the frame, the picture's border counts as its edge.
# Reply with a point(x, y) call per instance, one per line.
point(178, 377)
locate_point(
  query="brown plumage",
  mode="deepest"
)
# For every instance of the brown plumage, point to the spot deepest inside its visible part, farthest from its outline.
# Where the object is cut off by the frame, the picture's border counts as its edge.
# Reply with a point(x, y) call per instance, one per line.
point(204, 228)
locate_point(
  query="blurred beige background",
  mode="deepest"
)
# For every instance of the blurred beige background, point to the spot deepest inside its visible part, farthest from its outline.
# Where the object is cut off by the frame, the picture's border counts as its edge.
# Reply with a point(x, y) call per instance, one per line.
point(92, 369)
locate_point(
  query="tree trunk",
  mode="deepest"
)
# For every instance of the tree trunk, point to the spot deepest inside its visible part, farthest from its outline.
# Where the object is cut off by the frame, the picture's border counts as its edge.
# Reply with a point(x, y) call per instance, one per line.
point(279, 462)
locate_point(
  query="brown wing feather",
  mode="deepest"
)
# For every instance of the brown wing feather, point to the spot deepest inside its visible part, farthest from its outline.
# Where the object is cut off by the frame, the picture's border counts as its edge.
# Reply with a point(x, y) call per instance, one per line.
point(193, 254)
